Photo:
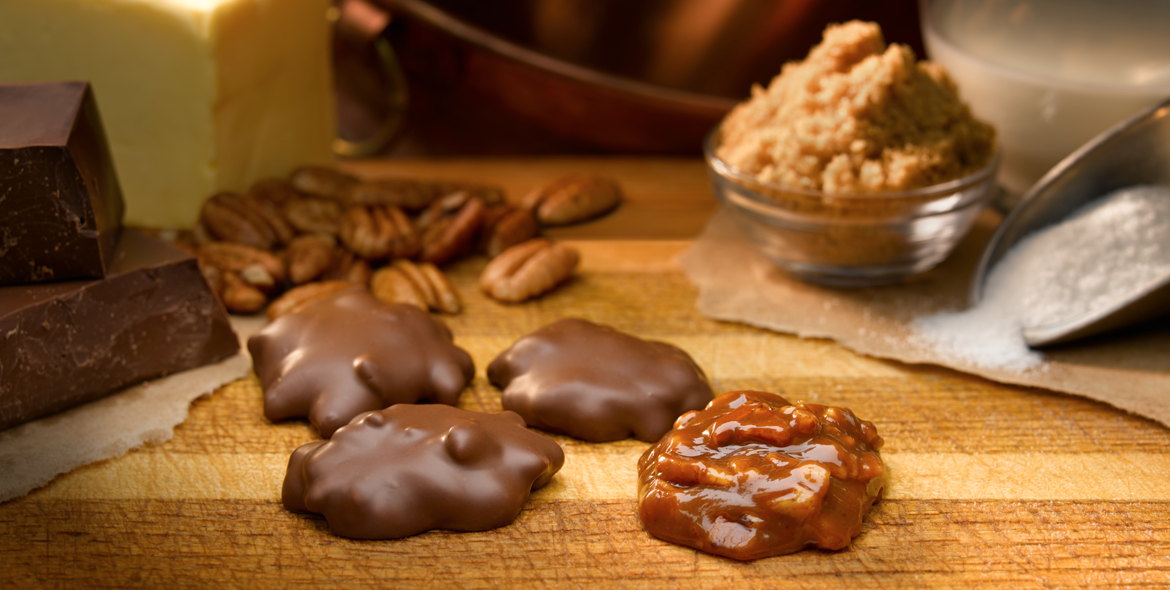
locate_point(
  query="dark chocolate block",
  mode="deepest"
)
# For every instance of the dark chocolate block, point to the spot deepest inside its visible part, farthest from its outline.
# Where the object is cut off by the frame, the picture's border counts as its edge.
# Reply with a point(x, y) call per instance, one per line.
point(60, 203)
point(66, 343)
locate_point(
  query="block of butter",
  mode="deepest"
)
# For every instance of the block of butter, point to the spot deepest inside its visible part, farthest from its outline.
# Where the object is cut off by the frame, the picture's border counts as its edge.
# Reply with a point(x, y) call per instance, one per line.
point(197, 95)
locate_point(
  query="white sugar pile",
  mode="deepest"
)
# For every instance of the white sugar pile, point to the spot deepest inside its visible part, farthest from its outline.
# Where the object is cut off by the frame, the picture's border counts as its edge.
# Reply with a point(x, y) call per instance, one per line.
point(1102, 251)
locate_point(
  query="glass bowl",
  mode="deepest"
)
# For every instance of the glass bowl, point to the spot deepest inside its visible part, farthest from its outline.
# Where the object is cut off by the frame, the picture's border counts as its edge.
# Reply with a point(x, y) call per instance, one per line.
point(851, 240)
point(1050, 74)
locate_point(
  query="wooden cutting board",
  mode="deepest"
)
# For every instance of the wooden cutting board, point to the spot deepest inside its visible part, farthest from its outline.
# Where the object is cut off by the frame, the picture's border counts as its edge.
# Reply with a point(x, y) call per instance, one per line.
point(992, 485)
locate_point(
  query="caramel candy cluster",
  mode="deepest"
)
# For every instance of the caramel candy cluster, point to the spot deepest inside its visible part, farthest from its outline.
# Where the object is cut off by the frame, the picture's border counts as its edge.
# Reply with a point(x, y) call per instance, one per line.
point(754, 476)
point(409, 469)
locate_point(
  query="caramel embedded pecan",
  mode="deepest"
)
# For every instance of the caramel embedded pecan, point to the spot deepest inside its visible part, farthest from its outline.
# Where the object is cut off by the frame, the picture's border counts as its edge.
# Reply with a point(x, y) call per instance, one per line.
point(240, 297)
point(573, 199)
point(313, 215)
point(298, 298)
point(232, 218)
point(347, 266)
point(273, 190)
point(322, 181)
point(377, 232)
point(505, 226)
point(449, 227)
point(239, 258)
point(308, 257)
point(528, 270)
point(391, 285)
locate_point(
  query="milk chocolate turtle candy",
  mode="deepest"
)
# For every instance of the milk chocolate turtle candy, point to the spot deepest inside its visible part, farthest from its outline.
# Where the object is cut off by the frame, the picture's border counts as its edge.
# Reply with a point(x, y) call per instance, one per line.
point(752, 476)
point(598, 384)
point(412, 468)
point(351, 353)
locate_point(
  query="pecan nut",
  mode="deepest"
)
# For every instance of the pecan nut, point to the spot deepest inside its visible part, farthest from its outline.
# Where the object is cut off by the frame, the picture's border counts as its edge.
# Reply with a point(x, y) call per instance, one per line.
point(240, 297)
point(450, 227)
point(527, 270)
point(347, 266)
point(313, 215)
point(273, 190)
point(422, 285)
point(446, 297)
point(298, 298)
point(322, 181)
point(408, 194)
point(505, 226)
point(391, 285)
point(573, 199)
point(245, 220)
point(237, 258)
point(309, 256)
point(378, 232)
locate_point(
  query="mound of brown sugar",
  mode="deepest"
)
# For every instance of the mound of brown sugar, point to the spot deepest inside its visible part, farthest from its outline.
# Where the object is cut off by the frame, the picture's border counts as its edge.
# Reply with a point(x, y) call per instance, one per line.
point(856, 117)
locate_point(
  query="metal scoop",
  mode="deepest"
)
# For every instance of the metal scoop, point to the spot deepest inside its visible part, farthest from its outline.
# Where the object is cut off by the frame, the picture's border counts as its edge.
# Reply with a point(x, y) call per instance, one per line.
point(1136, 151)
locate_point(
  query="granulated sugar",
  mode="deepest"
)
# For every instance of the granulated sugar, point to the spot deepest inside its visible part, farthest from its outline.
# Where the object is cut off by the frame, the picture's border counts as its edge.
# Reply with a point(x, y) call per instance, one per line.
point(1102, 251)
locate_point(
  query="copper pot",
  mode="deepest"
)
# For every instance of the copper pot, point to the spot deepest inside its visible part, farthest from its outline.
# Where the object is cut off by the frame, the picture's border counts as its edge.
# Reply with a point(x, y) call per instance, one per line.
point(651, 76)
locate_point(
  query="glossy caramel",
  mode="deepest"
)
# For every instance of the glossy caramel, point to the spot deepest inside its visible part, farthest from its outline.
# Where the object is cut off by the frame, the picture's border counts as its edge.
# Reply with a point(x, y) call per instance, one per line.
point(753, 476)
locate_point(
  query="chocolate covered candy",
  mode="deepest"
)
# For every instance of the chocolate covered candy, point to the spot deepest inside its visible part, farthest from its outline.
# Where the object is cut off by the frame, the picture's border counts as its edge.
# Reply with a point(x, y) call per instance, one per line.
point(351, 353)
point(752, 475)
point(412, 468)
point(60, 203)
point(594, 383)
point(65, 343)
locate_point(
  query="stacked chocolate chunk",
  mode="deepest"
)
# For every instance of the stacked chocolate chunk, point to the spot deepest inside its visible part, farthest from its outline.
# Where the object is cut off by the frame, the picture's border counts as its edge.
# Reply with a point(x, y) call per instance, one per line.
point(86, 308)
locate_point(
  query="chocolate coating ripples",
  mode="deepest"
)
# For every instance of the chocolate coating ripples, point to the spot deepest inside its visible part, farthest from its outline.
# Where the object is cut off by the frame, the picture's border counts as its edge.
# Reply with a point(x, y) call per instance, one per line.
point(351, 354)
point(412, 468)
point(598, 384)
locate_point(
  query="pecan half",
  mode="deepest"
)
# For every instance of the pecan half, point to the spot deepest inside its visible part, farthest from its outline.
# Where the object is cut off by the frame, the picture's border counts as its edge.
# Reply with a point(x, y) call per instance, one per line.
point(408, 194)
point(323, 181)
point(310, 214)
point(392, 285)
point(422, 285)
point(378, 232)
point(308, 257)
point(489, 194)
point(446, 297)
point(449, 228)
point(528, 270)
point(347, 266)
point(298, 298)
point(232, 218)
point(238, 258)
point(240, 297)
point(573, 199)
point(273, 190)
point(505, 226)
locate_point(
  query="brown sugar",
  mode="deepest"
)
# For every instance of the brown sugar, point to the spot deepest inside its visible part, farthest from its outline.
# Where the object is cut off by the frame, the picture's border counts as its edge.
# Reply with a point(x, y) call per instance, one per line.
point(855, 117)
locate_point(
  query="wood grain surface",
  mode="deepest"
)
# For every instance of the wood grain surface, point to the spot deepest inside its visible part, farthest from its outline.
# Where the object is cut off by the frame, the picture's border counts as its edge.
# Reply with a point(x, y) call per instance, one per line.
point(992, 485)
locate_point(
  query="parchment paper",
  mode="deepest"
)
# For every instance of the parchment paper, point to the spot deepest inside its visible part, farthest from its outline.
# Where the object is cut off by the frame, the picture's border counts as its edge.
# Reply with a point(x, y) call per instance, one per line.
point(1129, 370)
point(32, 454)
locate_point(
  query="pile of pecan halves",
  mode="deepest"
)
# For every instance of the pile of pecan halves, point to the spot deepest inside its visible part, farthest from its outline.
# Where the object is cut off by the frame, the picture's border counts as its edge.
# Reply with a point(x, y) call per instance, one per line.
point(292, 242)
